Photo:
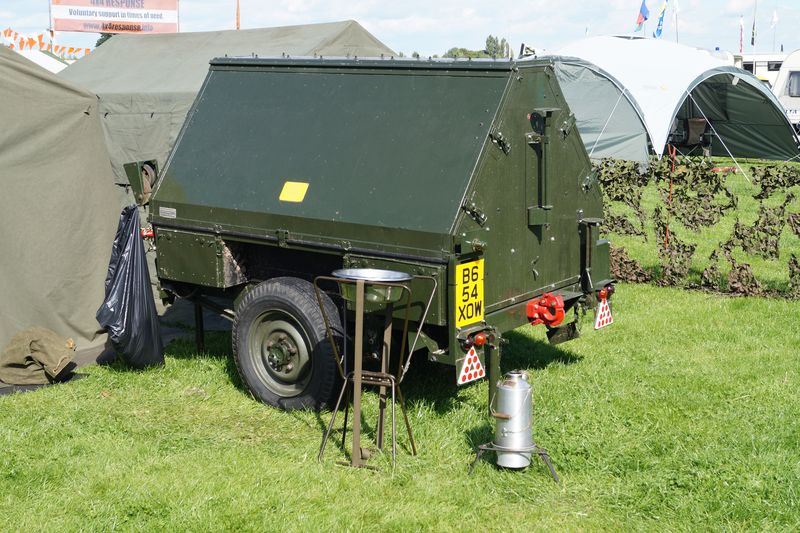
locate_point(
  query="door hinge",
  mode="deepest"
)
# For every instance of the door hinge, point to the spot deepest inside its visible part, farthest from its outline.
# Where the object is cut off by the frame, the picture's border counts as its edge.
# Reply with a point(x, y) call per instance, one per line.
point(567, 125)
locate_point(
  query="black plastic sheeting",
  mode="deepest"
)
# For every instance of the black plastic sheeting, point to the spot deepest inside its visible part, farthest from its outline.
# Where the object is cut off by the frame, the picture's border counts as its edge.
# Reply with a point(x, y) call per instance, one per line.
point(129, 312)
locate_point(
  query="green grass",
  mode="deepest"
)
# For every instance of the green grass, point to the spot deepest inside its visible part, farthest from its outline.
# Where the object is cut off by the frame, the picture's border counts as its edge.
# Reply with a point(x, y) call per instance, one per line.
point(683, 415)
point(773, 274)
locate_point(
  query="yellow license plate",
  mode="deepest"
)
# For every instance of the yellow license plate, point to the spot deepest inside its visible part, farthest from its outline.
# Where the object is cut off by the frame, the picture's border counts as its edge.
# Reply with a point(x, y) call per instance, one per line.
point(469, 293)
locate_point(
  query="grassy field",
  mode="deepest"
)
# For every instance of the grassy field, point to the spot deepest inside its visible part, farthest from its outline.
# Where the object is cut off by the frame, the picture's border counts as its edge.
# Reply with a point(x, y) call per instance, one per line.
point(773, 274)
point(683, 415)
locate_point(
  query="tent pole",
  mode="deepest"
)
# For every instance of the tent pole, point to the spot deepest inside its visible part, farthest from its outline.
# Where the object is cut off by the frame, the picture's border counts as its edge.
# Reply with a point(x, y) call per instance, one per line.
point(721, 140)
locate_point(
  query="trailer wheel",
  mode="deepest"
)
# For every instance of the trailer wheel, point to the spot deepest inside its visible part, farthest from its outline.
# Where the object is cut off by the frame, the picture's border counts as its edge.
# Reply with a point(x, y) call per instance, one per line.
point(281, 347)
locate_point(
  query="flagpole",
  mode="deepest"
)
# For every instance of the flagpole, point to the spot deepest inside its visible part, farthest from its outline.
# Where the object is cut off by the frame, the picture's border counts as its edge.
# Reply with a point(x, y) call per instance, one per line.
point(774, 28)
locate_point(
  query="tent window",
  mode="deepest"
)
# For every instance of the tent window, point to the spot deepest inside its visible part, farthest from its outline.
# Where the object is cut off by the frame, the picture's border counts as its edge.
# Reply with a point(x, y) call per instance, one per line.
point(748, 66)
point(793, 87)
point(774, 66)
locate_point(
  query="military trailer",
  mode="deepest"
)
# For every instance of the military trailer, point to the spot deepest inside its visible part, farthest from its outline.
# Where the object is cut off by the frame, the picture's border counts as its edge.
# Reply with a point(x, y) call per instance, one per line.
point(470, 173)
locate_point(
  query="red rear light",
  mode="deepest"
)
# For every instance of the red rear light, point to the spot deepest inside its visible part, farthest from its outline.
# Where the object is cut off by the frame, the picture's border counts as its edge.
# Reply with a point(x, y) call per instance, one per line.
point(479, 339)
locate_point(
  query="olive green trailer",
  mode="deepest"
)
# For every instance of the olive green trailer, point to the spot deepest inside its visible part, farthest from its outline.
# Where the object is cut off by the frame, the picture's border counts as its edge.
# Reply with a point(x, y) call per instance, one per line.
point(469, 172)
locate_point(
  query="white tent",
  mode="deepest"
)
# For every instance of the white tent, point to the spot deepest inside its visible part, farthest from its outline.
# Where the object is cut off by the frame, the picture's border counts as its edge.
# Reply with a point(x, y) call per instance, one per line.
point(45, 60)
point(663, 80)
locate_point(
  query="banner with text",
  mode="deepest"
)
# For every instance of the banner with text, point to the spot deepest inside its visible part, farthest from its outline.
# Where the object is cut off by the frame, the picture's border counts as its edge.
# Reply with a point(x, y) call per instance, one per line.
point(115, 16)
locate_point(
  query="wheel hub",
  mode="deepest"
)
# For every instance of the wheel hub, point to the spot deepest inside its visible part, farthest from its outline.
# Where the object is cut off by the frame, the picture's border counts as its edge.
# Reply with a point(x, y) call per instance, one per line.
point(281, 352)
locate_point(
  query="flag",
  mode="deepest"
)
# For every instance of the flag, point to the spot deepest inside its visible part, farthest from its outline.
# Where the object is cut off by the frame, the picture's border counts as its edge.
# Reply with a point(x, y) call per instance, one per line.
point(741, 34)
point(753, 34)
point(660, 27)
point(774, 20)
point(644, 14)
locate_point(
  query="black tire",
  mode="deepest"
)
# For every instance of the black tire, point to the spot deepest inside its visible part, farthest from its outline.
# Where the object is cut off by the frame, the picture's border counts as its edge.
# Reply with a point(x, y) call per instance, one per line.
point(281, 347)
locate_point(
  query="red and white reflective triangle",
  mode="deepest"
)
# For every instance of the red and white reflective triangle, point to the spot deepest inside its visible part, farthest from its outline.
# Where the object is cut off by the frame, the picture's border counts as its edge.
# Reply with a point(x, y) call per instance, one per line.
point(472, 368)
point(603, 315)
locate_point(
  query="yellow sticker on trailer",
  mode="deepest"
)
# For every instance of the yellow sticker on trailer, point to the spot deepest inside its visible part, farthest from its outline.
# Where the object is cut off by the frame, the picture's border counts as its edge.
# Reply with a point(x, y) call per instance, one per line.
point(469, 293)
point(293, 191)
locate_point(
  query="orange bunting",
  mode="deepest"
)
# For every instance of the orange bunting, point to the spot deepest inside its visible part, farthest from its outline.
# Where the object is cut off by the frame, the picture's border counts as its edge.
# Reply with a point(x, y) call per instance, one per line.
point(42, 41)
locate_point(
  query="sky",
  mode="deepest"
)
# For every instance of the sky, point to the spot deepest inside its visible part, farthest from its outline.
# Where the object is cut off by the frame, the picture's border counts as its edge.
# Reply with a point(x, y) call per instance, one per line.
point(433, 26)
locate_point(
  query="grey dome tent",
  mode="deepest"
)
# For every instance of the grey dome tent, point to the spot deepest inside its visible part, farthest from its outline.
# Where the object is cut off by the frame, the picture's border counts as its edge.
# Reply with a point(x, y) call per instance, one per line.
point(608, 118)
point(672, 88)
point(147, 83)
point(58, 211)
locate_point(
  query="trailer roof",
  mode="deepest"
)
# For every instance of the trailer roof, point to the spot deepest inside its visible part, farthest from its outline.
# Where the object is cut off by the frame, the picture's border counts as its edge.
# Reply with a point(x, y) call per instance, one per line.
point(384, 61)
point(378, 147)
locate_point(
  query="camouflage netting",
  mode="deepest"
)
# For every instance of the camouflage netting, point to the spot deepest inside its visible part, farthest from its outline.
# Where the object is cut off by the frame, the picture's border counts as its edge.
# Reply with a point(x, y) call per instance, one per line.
point(623, 181)
point(675, 255)
point(794, 223)
point(794, 277)
point(774, 178)
point(623, 268)
point(693, 195)
point(763, 237)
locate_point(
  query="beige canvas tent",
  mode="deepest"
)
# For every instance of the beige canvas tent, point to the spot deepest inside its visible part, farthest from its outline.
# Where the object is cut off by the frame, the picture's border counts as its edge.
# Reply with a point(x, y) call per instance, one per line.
point(147, 83)
point(58, 207)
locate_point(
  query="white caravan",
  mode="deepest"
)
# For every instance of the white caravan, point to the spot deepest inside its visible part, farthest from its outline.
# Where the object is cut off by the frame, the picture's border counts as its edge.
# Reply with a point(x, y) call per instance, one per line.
point(763, 66)
point(787, 88)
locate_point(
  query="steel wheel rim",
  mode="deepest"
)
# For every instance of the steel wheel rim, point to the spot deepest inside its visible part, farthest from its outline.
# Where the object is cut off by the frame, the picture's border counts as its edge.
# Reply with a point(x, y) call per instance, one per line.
point(279, 354)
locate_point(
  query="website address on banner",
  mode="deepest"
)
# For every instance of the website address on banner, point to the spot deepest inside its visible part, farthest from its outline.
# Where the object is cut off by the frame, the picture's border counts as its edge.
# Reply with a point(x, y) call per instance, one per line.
point(116, 26)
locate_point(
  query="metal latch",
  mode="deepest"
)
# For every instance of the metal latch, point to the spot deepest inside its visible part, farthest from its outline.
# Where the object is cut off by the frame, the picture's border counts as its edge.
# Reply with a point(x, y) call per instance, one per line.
point(475, 213)
point(499, 139)
point(283, 236)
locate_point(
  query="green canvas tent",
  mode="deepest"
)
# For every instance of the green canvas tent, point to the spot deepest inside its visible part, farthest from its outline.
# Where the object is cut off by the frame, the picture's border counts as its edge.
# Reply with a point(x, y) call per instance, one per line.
point(147, 83)
point(58, 208)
